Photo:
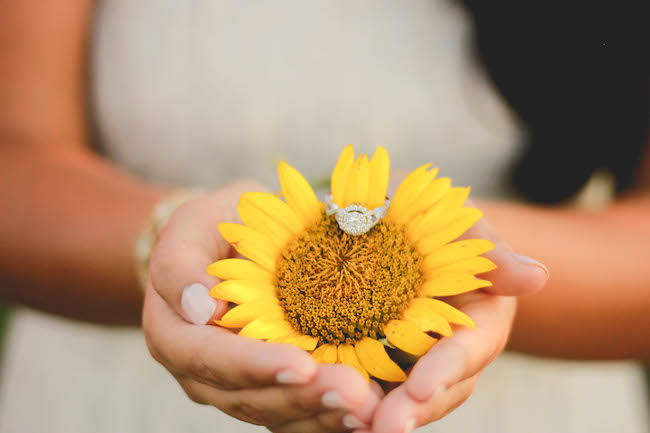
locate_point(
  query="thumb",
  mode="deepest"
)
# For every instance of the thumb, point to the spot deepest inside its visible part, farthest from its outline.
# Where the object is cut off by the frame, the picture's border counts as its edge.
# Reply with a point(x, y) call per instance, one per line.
point(515, 274)
point(187, 245)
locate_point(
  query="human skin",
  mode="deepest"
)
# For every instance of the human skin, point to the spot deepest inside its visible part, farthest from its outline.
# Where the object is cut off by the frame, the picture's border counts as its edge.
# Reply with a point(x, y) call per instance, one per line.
point(68, 217)
point(276, 385)
point(597, 297)
point(69, 220)
point(189, 243)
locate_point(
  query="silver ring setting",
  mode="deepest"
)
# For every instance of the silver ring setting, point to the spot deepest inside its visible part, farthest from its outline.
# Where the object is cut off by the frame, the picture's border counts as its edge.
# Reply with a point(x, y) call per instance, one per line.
point(355, 219)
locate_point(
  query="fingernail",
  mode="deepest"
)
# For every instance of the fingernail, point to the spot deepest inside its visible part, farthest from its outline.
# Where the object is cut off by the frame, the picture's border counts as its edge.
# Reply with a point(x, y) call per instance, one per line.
point(409, 426)
point(291, 377)
point(333, 400)
point(352, 422)
point(198, 304)
point(528, 261)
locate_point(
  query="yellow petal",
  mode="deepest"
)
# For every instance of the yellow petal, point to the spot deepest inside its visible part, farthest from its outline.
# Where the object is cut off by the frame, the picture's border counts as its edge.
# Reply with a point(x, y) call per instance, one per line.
point(267, 327)
point(408, 337)
point(326, 354)
point(275, 208)
point(436, 189)
point(451, 314)
point(298, 193)
point(251, 243)
point(283, 338)
point(428, 244)
point(428, 321)
point(471, 266)
point(306, 342)
point(373, 357)
point(242, 291)
point(340, 175)
point(438, 215)
point(457, 251)
point(239, 269)
point(259, 221)
point(409, 190)
point(449, 284)
point(358, 180)
point(348, 356)
point(242, 315)
point(379, 174)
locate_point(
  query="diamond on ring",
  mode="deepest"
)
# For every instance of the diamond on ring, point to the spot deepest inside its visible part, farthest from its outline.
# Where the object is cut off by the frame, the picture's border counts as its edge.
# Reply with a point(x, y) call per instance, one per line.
point(355, 219)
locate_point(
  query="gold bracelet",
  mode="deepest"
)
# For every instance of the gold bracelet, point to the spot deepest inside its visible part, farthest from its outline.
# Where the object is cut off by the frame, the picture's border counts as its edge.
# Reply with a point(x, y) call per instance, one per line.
point(147, 238)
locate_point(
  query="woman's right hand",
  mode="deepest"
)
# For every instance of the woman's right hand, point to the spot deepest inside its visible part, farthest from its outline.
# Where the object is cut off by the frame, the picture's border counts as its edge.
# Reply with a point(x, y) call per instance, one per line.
point(275, 385)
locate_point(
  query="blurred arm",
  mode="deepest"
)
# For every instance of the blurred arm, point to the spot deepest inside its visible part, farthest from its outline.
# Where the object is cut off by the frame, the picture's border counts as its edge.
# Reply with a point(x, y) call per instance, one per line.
point(597, 301)
point(68, 219)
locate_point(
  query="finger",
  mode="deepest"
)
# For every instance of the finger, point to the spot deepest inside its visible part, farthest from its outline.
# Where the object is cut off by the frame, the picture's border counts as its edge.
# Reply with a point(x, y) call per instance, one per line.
point(335, 388)
point(324, 422)
point(217, 357)
point(229, 403)
point(365, 413)
point(515, 274)
point(337, 420)
point(200, 392)
point(467, 352)
point(204, 394)
point(320, 405)
point(399, 413)
point(187, 245)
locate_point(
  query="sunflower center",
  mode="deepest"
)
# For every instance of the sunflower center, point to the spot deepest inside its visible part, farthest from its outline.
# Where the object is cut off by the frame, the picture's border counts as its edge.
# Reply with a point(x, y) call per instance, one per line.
point(341, 288)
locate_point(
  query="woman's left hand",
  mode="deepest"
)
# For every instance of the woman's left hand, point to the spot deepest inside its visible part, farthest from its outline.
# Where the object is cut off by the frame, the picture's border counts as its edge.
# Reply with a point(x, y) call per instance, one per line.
point(279, 386)
point(445, 377)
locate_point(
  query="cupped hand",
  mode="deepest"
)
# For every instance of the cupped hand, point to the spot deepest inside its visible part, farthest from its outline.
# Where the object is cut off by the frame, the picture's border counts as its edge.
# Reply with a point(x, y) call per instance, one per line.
point(275, 385)
point(445, 377)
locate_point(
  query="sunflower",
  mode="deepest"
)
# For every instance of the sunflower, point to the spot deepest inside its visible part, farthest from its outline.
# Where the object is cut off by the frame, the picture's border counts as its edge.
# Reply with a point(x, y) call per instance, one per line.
point(356, 281)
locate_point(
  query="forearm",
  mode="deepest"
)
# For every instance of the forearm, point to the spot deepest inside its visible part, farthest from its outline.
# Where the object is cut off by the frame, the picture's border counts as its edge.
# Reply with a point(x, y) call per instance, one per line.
point(67, 226)
point(597, 300)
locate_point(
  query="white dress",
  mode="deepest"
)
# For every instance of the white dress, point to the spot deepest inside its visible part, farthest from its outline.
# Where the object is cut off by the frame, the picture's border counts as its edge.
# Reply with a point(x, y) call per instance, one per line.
point(203, 92)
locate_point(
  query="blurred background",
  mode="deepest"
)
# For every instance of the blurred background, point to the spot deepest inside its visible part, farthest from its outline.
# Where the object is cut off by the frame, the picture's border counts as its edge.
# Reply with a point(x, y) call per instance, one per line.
point(202, 92)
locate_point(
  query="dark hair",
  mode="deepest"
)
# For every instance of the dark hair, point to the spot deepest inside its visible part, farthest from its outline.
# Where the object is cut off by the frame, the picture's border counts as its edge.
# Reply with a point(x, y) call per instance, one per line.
point(578, 78)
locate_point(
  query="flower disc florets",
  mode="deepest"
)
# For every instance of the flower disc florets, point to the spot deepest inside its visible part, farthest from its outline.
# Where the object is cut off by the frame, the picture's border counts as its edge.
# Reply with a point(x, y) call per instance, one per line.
point(341, 288)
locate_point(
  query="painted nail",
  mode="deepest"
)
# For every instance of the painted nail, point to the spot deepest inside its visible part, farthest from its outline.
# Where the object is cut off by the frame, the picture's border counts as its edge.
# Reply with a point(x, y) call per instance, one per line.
point(352, 422)
point(333, 400)
point(198, 304)
point(409, 426)
point(291, 377)
point(528, 261)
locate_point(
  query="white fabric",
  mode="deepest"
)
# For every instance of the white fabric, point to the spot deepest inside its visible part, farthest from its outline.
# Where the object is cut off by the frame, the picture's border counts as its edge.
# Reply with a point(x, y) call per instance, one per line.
point(206, 91)
point(202, 92)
